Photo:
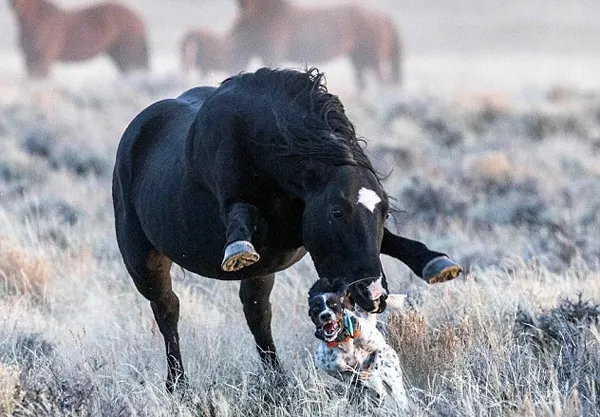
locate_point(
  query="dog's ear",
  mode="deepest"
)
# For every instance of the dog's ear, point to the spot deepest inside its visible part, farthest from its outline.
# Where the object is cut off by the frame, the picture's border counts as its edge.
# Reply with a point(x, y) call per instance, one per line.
point(320, 286)
point(346, 299)
point(338, 286)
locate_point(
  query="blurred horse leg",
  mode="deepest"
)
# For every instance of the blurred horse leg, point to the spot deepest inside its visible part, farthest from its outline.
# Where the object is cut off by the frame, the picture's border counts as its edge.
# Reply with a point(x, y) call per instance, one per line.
point(360, 64)
point(130, 53)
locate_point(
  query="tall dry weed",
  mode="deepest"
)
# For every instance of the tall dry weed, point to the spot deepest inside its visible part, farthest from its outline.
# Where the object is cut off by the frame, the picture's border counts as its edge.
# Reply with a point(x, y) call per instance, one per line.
point(21, 273)
point(426, 352)
point(9, 378)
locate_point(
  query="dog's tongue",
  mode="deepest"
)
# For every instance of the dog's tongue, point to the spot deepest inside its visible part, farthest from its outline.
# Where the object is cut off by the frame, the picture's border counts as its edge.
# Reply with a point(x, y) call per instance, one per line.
point(329, 327)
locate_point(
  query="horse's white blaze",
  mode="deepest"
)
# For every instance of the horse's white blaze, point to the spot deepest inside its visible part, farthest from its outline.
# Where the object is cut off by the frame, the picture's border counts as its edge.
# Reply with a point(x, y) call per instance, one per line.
point(368, 198)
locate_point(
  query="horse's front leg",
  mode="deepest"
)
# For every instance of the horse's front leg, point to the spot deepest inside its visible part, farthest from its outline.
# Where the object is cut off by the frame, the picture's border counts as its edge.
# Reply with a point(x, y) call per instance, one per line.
point(242, 222)
point(431, 266)
point(254, 294)
point(41, 52)
point(219, 160)
point(38, 64)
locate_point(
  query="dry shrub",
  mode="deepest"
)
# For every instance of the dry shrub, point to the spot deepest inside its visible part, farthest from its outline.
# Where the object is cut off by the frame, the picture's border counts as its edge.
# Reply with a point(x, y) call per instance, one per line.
point(426, 352)
point(485, 101)
point(566, 341)
point(492, 167)
point(20, 273)
point(9, 379)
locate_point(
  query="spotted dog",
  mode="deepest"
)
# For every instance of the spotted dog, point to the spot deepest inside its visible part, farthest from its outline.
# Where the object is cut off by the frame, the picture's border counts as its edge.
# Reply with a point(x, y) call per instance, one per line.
point(351, 348)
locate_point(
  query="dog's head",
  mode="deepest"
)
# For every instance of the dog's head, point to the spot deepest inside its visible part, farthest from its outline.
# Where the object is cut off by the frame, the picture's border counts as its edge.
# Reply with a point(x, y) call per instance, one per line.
point(326, 303)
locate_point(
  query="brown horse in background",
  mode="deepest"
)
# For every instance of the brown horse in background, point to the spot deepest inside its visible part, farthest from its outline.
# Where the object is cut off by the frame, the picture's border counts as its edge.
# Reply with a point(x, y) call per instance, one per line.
point(204, 50)
point(278, 31)
point(48, 34)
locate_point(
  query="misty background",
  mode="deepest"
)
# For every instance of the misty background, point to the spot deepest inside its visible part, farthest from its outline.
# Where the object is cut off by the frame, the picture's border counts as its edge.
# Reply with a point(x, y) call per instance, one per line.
point(449, 45)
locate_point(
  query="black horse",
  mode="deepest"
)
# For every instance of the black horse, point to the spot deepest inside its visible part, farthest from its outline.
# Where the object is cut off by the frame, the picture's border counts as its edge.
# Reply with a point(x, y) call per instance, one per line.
point(274, 157)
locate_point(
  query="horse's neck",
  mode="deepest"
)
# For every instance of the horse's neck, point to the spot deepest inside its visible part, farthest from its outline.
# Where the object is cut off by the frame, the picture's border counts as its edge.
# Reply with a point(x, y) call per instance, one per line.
point(298, 182)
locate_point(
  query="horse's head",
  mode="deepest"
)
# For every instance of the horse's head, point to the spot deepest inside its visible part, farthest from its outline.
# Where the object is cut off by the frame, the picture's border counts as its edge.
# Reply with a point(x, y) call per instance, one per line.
point(343, 229)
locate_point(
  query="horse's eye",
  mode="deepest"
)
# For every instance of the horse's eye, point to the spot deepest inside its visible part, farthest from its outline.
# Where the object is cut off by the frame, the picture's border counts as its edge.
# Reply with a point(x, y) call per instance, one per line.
point(336, 212)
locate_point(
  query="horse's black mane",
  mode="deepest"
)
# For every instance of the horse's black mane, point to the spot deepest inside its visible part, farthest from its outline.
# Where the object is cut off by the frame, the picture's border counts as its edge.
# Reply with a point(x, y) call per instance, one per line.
point(312, 121)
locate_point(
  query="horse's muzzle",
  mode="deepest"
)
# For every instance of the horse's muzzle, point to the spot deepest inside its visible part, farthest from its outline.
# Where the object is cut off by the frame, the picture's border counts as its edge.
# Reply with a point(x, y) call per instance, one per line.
point(370, 296)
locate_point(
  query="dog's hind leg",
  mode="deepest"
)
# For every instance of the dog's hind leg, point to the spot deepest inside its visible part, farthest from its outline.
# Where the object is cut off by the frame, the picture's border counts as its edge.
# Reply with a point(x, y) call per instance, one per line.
point(254, 294)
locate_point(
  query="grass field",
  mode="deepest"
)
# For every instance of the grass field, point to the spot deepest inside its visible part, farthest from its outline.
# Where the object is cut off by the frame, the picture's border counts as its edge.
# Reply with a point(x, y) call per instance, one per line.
point(492, 161)
point(510, 188)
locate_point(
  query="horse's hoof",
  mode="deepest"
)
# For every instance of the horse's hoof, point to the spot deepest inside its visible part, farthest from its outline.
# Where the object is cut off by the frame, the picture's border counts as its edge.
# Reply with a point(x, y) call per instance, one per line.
point(441, 269)
point(238, 255)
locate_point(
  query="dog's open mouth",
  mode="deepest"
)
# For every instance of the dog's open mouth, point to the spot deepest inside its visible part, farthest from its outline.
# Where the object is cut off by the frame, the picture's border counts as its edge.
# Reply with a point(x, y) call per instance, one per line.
point(330, 329)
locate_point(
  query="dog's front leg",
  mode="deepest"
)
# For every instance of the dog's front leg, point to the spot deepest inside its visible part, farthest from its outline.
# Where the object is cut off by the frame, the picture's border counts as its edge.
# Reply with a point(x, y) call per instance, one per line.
point(366, 369)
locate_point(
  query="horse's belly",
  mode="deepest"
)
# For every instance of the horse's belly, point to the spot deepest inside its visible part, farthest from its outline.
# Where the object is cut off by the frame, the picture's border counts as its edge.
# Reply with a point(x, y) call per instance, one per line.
point(271, 261)
point(189, 231)
point(87, 36)
point(79, 48)
point(307, 45)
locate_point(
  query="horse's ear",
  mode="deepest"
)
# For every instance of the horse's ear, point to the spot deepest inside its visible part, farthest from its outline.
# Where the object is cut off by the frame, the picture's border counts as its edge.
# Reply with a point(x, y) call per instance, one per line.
point(311, 177)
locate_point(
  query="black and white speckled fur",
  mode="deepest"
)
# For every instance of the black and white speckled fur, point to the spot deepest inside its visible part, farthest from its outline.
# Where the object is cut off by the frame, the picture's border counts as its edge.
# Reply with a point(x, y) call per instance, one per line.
point(366, 360)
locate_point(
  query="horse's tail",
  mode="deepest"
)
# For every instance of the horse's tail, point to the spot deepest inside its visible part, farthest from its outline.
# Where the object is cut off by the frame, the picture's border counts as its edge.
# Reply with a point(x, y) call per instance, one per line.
point(396, 57)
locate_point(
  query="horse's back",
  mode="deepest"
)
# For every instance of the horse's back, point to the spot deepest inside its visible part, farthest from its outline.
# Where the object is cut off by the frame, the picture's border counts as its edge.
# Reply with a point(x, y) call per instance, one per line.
point(165, 123)
point(106, 14)
point(150, 185)
point(160, 201)
point(106, 27)
point(196, 96)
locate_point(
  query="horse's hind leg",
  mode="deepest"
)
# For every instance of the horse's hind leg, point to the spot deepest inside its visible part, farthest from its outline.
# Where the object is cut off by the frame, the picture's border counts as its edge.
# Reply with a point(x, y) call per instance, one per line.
point(165, 306)
point(150, 271)
point(360, 68)
point(254, 294)
point(130, 54)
